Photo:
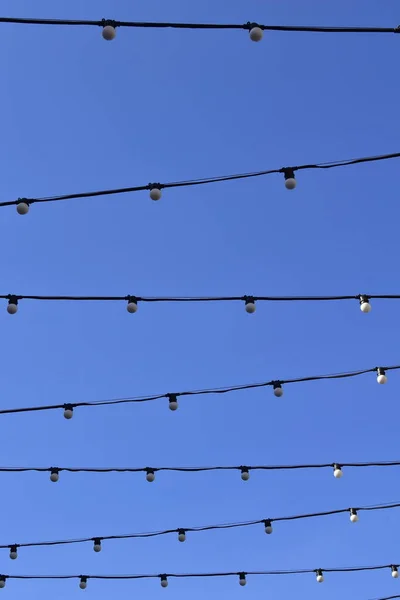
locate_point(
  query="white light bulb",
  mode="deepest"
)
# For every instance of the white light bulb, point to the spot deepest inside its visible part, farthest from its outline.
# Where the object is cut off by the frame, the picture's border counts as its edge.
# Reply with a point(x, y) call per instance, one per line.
point(242, 579)
point(54, 476)
point(108, 33)
point(2, 582)
point(395, 572)
point(381, 378)
point(164, 581)
point(97, 545)
point(337, 472)
point(245, 474)
point(290, 183)
point(353, 516)
point(150, 475)
point(256, 34)
point(68, 412)
point(320, 576)
point(132, 306)
point(83, 583)
point(250, 306)
point(268, 527)
point(181, 535)
point(155, 193)
point(365, 306)
point(173, 402)
point(13, 552)
point(22, 208)
point(278, 390)
point(12, 306)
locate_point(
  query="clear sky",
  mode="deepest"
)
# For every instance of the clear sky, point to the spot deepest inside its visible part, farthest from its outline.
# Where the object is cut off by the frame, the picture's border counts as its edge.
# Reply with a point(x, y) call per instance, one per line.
point(81, 114)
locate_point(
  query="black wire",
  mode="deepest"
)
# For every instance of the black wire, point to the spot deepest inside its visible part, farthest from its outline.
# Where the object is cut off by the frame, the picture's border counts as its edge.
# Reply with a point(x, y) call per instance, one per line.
point(157, 25)
point(329, 165)
point(224, 390)
point(236, 525)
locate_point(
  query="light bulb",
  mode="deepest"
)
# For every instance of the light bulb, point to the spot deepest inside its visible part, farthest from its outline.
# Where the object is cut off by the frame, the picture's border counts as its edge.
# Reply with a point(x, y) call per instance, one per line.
point(150, 475)
point(132, 306)
point(97, 544)
point(395, 572)
point(245, 473)
point(54, 476)
point(365, 306)
point(68, 411)
point(2, 581)
point(108, 32)
point(256, 34)
point(353, 515)
point(337, 471)
point(320, 576)
point(164, 581)
point(268, 526)
point(155, 193)
point(12, 305)
point(13, 552)
point(242, 579)
point(290, 181)
point(181, 535)
point(173, 402)
point(22, 208)
point(381, 378)
point(83, 583)
point(278, 390)
point(250, 305)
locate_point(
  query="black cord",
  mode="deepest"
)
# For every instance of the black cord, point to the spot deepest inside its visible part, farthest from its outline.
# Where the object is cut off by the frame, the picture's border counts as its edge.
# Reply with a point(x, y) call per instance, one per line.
point(156, 25)
point(329, 165)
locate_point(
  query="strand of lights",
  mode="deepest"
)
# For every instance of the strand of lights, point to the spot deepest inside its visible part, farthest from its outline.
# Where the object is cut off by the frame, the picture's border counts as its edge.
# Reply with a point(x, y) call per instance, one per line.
point(248, 301)
point(337, 469)
point(255, 29)
point(155, 189)
point(181, 532)
point(172, 398)
point(241, 576)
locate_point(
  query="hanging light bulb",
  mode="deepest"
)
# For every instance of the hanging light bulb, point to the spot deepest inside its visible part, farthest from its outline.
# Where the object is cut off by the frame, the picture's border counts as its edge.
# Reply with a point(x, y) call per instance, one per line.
point(97, 544)
point(256, 33)
point(132, 306)
point(320, 576)
point(365, 306)
point(13, 552)
point(268, 526)
point(83, 583)
point(278, 390)
point(395, 572)
point(2, 581)
point(290, 181)
point(181, 535)
point(54, 476)
point(245, 473)
point(109, 31)
point(173, 401)
point(22, 206)
point(250, 305)
point(155, 191)
point(381, 378)
point(337, 471)
point(68, 411)
point(353, 515)
point(150, 475)
point(164, 581)
point(242, 579)
point(12, 306)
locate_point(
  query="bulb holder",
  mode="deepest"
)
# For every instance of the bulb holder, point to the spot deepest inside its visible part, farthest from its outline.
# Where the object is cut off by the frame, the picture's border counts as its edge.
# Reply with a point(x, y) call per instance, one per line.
point(164, 581)
point(337, 471)
point(68, 411)
point(245, 474)
point(155, 192)
point(173, 401)
point(54, 475)
point(150, 475)
point(278, 390)
point(256, 33)
point(381, 377)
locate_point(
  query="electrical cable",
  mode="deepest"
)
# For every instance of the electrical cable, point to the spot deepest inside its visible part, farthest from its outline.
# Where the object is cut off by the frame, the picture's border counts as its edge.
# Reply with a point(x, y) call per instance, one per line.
point(24, 203)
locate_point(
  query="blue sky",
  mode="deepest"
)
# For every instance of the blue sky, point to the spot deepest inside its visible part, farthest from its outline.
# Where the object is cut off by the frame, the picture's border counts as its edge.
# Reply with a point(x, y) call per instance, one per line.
point(84, 114)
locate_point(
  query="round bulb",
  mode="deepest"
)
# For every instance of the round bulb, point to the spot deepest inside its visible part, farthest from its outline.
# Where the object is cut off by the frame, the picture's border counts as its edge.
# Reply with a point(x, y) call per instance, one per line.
point(164, 583)
point(268, 528)
point(182, 536)
point(381, 378)
point(12, 308)
point(108, 33)
point(320, 578)
point(173, 405)
point(365, 307)
point(13, 554)
point(245, 475)
point(97, 547)
point(2, 582)
point(354, 517)
point(256, 34)
point(395, 573)
point(337, 472)
point(290, 183)
point(278, 391)
point(22, 208)
point(250, 307)
point(83, 585)
point(131, 307)
point(68, 413)
point(54, 476)
point(150, 476)
point(155, 193)
point(242, 581)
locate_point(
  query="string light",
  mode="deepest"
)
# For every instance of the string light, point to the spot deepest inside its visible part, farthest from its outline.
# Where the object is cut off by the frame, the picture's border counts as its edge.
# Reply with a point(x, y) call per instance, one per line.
point(181, 535)
point(132, 305)
point(108, 32)
point(97, 544)
point(22, 207)
point(68, 411)
point(395, 572)
point(287, 171)
point(54, 475)
point(2, 581)
point(13, 552)
point(250, 305)
point(337, 471)
point(164, 581)
point(320, 576)
point(381, 378)
point(83, 583)
point(173, 401)
point(245, 473)
point(155, 191)
point(150, 475)
point(256, 33)
point(12, 306)
point(365, 306)
point(278, 390)
point(242, 579)
point(268, 527)
point(353, 515)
